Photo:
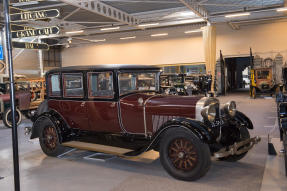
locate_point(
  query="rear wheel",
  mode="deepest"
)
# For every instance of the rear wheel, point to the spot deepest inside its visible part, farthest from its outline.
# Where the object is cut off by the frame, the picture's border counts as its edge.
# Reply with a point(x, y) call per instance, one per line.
point(7, 117)
point(183, 155)
point(50, 139)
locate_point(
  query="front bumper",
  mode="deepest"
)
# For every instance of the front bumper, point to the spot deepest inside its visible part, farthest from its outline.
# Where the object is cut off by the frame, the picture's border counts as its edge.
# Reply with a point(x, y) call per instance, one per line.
point(238, 148)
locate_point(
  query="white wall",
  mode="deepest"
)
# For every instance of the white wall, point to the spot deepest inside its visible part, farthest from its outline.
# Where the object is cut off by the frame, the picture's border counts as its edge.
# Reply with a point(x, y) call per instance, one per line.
point(265, 39)
point(180, 50)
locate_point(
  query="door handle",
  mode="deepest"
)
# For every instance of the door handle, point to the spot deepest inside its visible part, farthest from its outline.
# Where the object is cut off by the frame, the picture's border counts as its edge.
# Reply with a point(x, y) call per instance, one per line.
point(113, 104)
point(83, 104)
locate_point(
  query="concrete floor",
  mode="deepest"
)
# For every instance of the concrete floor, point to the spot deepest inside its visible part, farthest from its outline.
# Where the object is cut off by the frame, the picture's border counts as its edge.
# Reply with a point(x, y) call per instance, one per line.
point(39, 172)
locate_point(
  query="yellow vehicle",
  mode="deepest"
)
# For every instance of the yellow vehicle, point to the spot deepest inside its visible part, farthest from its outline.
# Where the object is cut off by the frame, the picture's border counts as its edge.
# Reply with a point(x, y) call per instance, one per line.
point(261, 82)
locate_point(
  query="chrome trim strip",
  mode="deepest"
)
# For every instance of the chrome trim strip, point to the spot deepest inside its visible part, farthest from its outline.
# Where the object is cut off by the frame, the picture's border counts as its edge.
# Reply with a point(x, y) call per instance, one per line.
point(120, 117)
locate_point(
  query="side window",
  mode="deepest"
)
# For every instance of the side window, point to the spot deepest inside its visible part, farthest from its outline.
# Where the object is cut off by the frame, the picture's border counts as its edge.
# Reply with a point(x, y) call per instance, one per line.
point(73, 85)
point(100, 85)
point(54, 89)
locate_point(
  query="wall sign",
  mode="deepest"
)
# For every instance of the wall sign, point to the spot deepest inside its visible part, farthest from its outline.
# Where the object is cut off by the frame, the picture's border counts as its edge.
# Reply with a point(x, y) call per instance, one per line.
point(1, 53)
point(28, 45)
point(20, 27)
point(34, 15)
point(35, 32)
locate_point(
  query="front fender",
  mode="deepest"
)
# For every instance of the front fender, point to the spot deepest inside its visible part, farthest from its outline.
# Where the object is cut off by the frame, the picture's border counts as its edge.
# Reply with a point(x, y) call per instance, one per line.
point(196, 127)
point(242, 118)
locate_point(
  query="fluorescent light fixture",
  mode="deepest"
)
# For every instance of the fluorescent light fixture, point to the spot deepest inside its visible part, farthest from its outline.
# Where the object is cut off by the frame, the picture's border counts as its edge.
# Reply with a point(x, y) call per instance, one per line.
point(160, 34)
point(282, 9)
point(98, 40)
point(25, 3)
point(198, 20)
point(148, 25)
point(193, 31)
point(237, 15)
point(75, 32)
point(110, 28)
point(129, 37)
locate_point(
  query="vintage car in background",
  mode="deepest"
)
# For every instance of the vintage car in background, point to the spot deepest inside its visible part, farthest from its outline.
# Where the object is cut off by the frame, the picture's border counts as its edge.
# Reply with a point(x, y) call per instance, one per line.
point(262, 82)
point(22, 97)
point(182, 84)
point(120, 108)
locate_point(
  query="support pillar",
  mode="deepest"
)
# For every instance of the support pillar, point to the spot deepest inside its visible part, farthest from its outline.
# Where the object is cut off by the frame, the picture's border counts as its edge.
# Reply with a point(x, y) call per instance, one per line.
point(209, 40)
point(41, 61)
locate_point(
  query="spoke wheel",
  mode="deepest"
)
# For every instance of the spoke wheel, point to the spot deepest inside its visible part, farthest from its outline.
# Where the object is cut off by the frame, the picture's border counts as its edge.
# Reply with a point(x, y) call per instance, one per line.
point(183, 154)
point(50, 138)
point(7, 117)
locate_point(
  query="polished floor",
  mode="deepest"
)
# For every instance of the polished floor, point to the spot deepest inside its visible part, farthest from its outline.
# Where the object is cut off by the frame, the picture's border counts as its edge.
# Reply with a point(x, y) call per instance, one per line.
point(74, 173)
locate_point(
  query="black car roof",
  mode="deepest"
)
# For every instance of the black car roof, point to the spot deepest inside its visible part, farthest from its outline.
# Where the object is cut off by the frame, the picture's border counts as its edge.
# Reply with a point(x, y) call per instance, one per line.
point(104, 67)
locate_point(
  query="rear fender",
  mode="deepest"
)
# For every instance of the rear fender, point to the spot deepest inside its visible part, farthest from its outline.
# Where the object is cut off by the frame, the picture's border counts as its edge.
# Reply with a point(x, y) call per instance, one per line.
point(62, 127)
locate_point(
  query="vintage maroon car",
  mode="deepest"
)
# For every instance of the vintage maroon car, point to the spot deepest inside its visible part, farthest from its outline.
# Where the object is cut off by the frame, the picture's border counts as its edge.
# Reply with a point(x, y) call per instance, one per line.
point(121, 107)
point(22, 98)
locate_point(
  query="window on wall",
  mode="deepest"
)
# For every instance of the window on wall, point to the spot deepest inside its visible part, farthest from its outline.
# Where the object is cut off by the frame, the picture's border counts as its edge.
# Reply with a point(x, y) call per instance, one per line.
point(73, 85)
point(53, 57)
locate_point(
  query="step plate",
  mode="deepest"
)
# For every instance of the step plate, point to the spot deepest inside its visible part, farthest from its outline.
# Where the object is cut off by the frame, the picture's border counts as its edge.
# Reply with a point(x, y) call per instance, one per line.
point(97, 148)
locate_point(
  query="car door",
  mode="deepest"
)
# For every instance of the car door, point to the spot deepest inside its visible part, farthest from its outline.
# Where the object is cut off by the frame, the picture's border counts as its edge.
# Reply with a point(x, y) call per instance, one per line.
point(73, 107)
point(102, 107)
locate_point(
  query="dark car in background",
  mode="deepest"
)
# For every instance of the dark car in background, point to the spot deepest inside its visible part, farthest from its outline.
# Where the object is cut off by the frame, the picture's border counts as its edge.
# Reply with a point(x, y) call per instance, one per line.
point(121, 108)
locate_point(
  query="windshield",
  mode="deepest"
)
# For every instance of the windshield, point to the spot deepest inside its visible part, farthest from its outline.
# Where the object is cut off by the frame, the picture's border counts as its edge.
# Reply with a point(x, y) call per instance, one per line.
point(133, 82)
point(264, 74)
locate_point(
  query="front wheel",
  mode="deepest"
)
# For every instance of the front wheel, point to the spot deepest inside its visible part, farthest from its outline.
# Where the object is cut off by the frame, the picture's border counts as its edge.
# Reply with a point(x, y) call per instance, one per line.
point(49, 139)
point(7, 117)
point(244, 134)
point(183, 155)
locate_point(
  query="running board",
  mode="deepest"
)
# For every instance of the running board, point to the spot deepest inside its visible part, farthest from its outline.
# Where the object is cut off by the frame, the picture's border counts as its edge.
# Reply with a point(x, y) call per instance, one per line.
point(97, 148)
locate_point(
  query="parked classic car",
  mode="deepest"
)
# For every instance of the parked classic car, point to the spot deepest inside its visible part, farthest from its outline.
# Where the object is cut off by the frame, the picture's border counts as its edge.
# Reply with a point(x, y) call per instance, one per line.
point(121, 107)
point(182, 84)
point(262, 82)
point(22, 97)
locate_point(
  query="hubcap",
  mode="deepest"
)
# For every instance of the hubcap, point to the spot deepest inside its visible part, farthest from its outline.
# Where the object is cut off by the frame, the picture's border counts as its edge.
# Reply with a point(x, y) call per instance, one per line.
point(183, 154)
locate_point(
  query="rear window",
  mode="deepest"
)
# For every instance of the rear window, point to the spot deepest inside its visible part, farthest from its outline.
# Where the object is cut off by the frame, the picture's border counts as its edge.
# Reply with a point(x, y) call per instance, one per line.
point(263, 74)
point(73, 85)
point(54, 89)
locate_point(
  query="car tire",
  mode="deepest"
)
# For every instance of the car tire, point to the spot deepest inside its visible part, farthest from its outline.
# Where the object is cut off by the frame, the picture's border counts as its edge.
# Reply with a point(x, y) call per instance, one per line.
point(7, 117)
point(233, 158)
point(49, 139)
point(183, 155)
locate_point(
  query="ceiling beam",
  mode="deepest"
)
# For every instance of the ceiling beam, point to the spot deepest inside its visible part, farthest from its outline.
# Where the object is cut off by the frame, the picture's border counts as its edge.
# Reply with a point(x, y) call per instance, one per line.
point(197, 9)
point(98, 7)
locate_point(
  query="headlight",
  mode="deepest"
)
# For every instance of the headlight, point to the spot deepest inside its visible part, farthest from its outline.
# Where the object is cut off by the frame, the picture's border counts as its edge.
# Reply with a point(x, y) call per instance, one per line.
point(230, 108)
point(209, 112)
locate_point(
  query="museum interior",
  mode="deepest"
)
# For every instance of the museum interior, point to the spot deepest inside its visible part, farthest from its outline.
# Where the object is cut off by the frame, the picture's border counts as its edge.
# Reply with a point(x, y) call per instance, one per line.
point(136, 95)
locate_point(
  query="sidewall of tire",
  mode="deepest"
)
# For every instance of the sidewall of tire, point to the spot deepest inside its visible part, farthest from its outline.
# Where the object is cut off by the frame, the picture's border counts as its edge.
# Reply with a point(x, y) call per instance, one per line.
point(5, 117)
point(203, 161)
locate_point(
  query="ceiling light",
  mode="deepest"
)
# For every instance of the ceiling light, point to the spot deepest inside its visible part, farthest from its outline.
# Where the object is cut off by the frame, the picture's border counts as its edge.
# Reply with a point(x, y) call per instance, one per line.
point(282, 9)
point(74, 32)
point(198, 20)
point(160, 34)
point(98, 40)
point(193, 31)
point(25, 3)
point(129, 37)
point(237, 15)
point(111, 28)
point(148, 25)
